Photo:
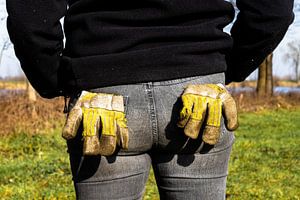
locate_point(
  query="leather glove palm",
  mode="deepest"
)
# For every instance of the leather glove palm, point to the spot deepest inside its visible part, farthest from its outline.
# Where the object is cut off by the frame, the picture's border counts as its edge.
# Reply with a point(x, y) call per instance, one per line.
point(98, 112)
point(205, 104)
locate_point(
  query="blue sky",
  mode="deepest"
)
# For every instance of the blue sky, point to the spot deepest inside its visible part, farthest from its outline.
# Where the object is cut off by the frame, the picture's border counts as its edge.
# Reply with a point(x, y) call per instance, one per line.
point(9, 65)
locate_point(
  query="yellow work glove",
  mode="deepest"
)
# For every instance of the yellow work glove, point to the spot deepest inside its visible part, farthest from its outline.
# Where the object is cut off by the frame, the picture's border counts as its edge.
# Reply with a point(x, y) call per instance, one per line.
point(104, 123)
point(205, 104)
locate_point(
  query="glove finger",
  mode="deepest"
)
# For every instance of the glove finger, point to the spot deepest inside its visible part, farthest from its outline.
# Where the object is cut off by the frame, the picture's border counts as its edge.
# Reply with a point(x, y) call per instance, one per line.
point(123, 137)
point(211, 134)
point(108, 139)
point(230, 113)
point(108, 123)
point(186, 111)
point(211, 131)
point(122, 131)
point(90, 122)
point(193, 126)
point(72, 123)
point(91, 144)
point(107, 145)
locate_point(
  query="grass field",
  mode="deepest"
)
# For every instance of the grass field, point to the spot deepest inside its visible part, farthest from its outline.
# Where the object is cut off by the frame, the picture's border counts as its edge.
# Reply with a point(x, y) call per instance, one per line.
point(11, 85)
point(265, 162)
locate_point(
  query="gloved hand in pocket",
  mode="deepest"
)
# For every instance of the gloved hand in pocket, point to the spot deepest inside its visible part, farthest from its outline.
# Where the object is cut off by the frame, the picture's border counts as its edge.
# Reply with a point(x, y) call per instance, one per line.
point(203, 105)
point(104, 123)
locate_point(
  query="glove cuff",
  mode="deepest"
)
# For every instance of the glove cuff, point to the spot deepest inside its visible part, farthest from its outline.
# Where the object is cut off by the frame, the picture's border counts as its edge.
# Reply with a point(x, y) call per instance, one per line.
point(101, 100)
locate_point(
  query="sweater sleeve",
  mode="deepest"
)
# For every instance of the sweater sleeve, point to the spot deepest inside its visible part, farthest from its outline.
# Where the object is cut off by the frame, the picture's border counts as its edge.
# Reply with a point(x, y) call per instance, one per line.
point(260, 26)
point(35, 30)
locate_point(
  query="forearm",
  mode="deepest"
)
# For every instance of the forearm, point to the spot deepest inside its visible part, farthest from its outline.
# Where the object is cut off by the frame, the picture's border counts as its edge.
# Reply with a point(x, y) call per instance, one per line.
point(260, 26)
point(37, 35)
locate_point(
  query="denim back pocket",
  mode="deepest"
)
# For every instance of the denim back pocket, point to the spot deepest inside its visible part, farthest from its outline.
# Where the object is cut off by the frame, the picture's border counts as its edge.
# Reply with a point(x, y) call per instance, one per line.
point(212, 78)
point(126, 101)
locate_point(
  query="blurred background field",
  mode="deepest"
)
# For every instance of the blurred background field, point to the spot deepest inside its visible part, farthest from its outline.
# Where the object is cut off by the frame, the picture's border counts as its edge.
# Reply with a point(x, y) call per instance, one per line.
point(264, 164)
point(265, 161)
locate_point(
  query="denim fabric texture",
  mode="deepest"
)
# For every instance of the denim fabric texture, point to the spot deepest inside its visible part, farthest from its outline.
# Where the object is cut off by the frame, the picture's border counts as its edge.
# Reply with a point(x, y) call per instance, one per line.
point(184, 168)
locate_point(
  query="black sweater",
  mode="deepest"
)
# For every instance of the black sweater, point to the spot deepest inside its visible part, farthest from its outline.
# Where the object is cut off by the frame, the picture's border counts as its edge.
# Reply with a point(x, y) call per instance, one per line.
point(112, 42)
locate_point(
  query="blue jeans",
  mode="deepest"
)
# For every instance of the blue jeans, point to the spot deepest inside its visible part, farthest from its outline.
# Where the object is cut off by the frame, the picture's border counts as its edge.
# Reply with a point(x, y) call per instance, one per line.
point(184, 168)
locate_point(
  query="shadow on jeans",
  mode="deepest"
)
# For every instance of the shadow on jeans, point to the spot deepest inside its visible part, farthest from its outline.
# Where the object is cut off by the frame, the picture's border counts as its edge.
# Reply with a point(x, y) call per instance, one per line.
point(179, 143)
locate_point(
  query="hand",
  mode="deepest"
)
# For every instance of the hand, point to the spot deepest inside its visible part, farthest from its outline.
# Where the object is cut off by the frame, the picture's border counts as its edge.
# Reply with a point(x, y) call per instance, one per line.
point(206, 103)
point(98, 112)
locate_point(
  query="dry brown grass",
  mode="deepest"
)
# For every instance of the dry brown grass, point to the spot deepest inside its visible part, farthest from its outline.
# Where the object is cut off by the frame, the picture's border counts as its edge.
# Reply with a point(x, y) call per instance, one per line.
point(20, 115)
point(252, 84)
point(249, 101)
point(12, 85)
point(17, 114)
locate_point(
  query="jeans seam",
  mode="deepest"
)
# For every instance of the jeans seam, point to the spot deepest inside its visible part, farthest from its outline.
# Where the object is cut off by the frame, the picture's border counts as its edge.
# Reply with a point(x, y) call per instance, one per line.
point(223, 149)
point(207, 154)
point(180, 177)
point(99, 181)
point(175, 81)
point(152, 112)
point(181, 80)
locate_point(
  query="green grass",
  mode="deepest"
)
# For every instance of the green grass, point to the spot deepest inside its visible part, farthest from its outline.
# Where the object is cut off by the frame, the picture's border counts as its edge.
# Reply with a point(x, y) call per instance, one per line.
point(265, 162)
point(34, 167)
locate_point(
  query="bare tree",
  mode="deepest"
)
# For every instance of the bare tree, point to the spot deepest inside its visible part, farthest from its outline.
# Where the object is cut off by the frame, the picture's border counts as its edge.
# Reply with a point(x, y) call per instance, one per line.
point(6, 45)
point(31, 94)
point(233, 2)
point(294, 55)
point(265, 77)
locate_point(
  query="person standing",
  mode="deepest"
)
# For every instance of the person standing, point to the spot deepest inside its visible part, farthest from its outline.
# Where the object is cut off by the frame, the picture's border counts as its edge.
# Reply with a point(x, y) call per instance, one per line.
point(146, 81)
